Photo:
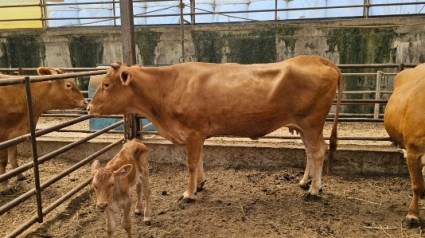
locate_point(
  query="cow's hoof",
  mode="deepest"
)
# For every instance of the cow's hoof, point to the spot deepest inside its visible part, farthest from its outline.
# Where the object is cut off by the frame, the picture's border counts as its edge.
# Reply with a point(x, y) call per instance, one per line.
point(21, 178)
point(306, 186)
point(201, 188)
point(308, 197)
point(183, 202)
point(411, 222)
point(147, 222)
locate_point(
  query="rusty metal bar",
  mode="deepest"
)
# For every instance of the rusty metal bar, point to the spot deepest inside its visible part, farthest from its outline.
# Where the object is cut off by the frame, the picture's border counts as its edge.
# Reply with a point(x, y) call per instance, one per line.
point(52, 154)
point(65, 197)
point(32, 126)
point(20, 80)
point(181, 5)
point(22, 138)
point(56, 178)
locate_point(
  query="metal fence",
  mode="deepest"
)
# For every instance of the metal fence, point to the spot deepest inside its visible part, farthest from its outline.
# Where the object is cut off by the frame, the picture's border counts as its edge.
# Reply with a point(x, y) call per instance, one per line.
point(107, 12)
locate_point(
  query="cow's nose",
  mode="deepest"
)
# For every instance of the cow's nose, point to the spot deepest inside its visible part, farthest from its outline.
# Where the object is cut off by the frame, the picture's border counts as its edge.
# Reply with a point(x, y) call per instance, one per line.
point(102, 205)
point(88, 108)
point(86, 102)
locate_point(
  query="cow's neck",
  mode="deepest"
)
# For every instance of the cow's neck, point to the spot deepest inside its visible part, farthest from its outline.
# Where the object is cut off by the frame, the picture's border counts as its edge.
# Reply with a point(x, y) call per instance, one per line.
point(39, 93)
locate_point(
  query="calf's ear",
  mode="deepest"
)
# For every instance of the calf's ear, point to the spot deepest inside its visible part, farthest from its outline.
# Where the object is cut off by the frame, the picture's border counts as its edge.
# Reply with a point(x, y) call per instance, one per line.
point(123, 171)
point(125, 77)
point(94, 166)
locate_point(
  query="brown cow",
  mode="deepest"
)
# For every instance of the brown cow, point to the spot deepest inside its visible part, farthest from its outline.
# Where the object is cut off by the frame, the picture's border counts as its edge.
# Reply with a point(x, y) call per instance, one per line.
point(47, 95)
point(112, 185)
point(190, 102)
point(404, 120)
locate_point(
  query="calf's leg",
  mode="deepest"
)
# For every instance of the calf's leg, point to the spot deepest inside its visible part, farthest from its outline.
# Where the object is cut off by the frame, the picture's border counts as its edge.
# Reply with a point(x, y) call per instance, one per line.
point(110, 222)
point(143, 190)
point(417, 185)
point(200, 177)
point(126, 219)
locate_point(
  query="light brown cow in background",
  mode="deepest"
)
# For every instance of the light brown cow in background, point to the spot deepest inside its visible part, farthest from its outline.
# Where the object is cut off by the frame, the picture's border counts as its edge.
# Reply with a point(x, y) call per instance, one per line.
point(112, 185)
point(47, 95)
point(192, 101)
point(404, 120)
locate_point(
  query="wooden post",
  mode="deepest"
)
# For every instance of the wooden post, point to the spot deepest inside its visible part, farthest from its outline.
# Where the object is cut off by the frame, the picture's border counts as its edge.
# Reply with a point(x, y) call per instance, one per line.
point(129, 57)
point(377, 94)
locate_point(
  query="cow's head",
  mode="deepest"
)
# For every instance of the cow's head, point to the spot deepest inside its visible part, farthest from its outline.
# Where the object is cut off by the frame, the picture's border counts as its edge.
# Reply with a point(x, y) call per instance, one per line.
point(104, 182)
point(112, 95)
point(64, 93)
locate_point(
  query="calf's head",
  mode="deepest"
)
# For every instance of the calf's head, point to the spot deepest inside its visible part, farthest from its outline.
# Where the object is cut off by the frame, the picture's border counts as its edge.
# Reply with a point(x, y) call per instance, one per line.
point(64, 93)
point(104, 182)
point(114, 93)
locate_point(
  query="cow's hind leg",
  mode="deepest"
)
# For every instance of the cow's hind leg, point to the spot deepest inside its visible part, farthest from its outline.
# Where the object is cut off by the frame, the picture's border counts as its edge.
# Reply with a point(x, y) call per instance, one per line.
point(12, 153)
point(194, 151)
point(315, 147)
point(417, 184)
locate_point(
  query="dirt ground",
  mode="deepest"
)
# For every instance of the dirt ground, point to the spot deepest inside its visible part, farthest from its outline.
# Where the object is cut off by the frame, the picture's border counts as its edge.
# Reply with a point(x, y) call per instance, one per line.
point(238, 202)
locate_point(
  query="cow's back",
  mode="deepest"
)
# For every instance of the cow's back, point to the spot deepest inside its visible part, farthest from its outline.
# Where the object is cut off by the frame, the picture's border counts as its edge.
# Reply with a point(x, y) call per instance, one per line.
point(230, 98)
point(404, 110)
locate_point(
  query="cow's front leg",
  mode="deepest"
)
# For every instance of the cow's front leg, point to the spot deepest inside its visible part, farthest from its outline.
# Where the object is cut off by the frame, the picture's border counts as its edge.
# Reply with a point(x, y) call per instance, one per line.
point(3, 164)
point(200, 177)
point(12, 153)
point(193, 154)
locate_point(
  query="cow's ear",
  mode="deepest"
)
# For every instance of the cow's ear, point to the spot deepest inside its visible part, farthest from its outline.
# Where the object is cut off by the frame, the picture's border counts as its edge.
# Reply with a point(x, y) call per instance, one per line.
point(123, 171)
point(44, 71)
point(95, 166)
point(125, 77)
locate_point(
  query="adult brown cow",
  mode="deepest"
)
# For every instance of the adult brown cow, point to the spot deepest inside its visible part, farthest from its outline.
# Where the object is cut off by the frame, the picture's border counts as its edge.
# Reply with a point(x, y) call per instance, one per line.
point(47, 95)
point(404, 121)
point(190, 102)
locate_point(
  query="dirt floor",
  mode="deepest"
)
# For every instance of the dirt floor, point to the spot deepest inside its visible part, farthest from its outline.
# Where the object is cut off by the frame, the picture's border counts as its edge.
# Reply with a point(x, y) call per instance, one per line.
point(237, 202)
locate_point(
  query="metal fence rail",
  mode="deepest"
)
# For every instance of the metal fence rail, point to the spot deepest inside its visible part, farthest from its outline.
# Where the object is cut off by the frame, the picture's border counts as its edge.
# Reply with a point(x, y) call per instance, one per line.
point(190, 9)
point(37, 161)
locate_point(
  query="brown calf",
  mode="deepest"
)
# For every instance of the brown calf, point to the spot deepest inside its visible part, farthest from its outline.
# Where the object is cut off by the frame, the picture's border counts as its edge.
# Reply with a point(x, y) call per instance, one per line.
point(112, 185)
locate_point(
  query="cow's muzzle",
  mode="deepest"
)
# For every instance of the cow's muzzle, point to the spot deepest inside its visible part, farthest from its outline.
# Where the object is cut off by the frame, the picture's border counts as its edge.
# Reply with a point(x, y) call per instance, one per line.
point(102, 206)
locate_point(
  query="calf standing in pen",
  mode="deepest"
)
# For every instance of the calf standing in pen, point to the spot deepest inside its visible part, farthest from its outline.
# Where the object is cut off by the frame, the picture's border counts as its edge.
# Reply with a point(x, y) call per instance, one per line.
point(112, 184)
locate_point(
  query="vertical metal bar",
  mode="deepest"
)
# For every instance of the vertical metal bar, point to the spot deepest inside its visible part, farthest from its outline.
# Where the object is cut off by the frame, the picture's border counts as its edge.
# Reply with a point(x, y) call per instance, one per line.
point(275, 10)
point(34, 148)
point(366, 8)
point(192, 12)
point(128, 51)
point(182, 30)
point(127, 32)
point(377, 94)
point(43, 9)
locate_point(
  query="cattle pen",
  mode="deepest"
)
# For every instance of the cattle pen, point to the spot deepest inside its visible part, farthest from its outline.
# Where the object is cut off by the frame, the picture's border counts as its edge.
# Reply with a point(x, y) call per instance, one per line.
point(252, 185)
point(359, 155)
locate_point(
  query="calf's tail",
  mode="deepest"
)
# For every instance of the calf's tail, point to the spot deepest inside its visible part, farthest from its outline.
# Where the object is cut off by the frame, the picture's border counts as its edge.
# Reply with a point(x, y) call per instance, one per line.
point(334, 137)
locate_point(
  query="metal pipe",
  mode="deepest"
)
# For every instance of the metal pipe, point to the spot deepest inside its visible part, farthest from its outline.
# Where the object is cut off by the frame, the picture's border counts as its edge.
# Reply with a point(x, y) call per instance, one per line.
point(34, 148)
point(22, 138)
point(50, 208)
point(20, 80)
point(52, 154)
point(28, 194)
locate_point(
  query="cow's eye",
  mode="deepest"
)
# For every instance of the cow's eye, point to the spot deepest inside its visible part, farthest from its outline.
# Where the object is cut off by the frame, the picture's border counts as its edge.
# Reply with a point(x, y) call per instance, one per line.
point(106, 84)
point(68, 85)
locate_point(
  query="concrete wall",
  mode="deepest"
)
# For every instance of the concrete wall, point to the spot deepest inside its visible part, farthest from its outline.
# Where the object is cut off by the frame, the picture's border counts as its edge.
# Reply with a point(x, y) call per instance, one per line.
point(383, 40)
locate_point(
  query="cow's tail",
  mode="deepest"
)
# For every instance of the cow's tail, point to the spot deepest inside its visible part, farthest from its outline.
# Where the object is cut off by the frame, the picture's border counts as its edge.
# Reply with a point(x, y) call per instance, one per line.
point(334, 136)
